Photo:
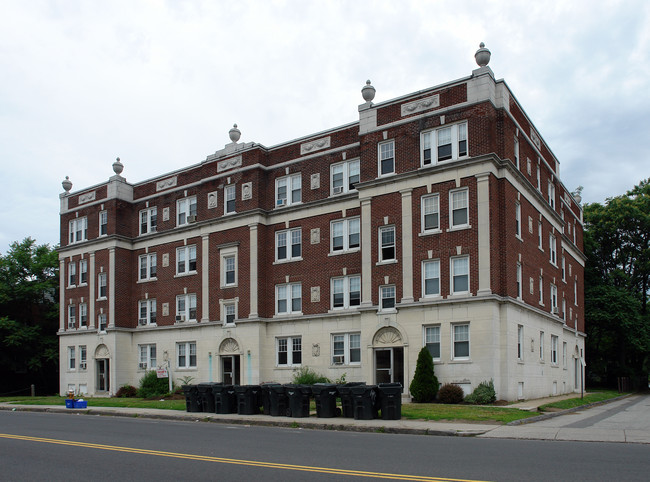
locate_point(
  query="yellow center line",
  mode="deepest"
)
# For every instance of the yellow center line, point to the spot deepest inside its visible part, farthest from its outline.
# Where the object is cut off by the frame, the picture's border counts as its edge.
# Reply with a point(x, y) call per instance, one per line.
point(251, 463)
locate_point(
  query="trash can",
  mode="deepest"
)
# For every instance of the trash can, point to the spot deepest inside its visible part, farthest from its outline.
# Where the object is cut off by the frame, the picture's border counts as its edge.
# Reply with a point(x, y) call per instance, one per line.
point(390, 400)
point(225, 399)
point(207, 396)
point(192, 400)
point(347, 408)
point(279, 401)
point(325, 396)
point(266, 396)
point(248, 399)
point(298, 400)
point(364, 399)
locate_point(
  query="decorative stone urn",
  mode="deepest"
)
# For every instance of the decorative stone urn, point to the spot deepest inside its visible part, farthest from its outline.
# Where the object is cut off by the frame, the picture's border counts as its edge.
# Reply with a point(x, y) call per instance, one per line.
point(482, 55)
point(368, 92)
point(67, 184)
point(118, 167)
point(234, 134)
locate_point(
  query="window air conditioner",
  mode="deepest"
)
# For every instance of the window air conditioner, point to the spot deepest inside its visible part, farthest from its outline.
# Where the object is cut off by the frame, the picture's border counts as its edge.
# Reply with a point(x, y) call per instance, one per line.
point(555, 310)
point(82, 366)
point(142, 366)
point(180, 318)
point(191, 218)
point(142, 321)
point(338, 189)
point(338, 359)
point(281, 202)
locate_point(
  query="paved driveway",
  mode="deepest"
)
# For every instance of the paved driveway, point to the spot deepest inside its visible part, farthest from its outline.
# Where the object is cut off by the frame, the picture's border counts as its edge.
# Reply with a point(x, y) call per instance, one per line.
point(626, 420)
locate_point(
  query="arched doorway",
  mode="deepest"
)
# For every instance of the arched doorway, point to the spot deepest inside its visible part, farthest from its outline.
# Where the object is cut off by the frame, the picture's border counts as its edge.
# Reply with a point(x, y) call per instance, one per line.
point(102, 369)
point(388, 356)
point(229, 361)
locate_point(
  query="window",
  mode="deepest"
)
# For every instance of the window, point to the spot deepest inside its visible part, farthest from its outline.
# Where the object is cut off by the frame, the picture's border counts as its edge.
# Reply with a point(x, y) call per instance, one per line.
point(346, 349)
point(541, 291)
point(554, 308)
point(461, 341)
point(186, 354)
point(78, 230)
point(101, 321)
point(539, 236)
point(101, 285)
point(432, 340)
point(564, 354)
point(228, 267)
point(554, 349)
point(539, 177)
point(186, 210)
point(387, 243)
point(289, 351)
point(149, 220)
point(72, 317)
point(458, 205)
point(288, 298)
point(83, 357)
point(186, 259)
point(230, 196)
point(431, 213)
point(541, 346)
point(520, 342)
point(345, 175)
point(147, 358)
point(346, 292)
point(83, 272)
point(386, 158)
point(575, 291)
point(387, 297)
point(345, 234)
point(72, 274)
point(552, 245)
point(551, 194)
point(148, 266)
point(288, 190)
point(103, 223)
point(516, 152)
point(283, 239)
point(564, 309)
point(83, 315)
point(147, 312)
point(460, 275)
point(519, 281)
point(563, 269)
point(229, 313)
point(186, 307)
point(443, 144)
point(72, 358)
point(518, 220)
point(431, 278)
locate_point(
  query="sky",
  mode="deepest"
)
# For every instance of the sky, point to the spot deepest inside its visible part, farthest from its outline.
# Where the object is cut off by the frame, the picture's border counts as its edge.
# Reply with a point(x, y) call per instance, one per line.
point(160, 83)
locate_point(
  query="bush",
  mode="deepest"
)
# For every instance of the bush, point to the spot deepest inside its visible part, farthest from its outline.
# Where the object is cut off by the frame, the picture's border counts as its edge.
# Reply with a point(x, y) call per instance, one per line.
point(127, 391)
point(450, 393)
point(483, 394)
point(425, 385)
point(152, 386)
point(307, 376)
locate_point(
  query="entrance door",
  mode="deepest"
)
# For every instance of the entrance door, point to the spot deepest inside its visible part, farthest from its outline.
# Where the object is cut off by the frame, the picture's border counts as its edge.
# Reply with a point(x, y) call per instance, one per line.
point(389, 365)
point(230, 369)
point(102, 375)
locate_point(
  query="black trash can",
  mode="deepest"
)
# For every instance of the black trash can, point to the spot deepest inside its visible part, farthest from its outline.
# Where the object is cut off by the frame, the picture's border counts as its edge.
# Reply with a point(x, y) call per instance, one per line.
point(266, 396)
point(325, 396)
point(248, 399)
point(364, 399)
point(225, 399)
point(347, 407)
point(207, 396)
point(279, 401)
point(298, 400)
point(192, 399)
point(390, 400)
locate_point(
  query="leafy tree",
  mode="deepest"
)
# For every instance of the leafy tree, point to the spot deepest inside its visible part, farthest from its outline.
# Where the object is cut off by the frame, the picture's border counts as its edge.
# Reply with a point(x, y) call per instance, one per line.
point(29, 317)
point(424, 386)
point(617, 283)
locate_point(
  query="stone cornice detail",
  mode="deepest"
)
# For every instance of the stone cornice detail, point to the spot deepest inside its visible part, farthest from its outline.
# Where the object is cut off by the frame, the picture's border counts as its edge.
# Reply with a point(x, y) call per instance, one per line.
point(421, 104)
point(87, 197)
point(229, 163)
point(166, 183)
point(316, 145)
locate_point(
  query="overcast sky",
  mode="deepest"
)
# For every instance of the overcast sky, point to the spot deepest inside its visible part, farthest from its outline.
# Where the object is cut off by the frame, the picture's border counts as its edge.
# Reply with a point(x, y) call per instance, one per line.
point(160, 83)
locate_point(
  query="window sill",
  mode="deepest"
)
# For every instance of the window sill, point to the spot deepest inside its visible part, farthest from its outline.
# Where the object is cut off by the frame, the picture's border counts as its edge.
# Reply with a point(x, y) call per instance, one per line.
point(228, 325)
point(147, 280)
point(148, 325)
point(518, 236)
point(72, 286)
point(430, 232)
point(186, 369)
point(180, 275)
point(225, 287)
point(102, 298)
point(431, 297)
point(460, 360)
point(82, 285)
point(285, 205)
point(388, 174)
point(343, 251)
point(290, 260)
point(282, 315)
point(389, 261)
point(344, 309)
point(386, 311)
point(520, 361)
point(459, 228)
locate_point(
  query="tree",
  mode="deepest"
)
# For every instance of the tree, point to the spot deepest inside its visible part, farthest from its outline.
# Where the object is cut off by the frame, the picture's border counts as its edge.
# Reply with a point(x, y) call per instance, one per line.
point(617, 282)
point(29, 317)
point(424, 386)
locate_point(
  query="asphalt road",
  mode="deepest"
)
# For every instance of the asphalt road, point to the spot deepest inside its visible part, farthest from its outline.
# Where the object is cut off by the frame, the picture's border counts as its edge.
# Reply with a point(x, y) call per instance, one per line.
point(49, 446)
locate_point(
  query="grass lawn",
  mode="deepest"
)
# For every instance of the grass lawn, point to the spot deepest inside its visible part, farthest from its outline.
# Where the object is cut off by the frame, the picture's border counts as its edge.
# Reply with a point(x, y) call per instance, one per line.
point(591, 397)
point(101, 402)
point(470, 413)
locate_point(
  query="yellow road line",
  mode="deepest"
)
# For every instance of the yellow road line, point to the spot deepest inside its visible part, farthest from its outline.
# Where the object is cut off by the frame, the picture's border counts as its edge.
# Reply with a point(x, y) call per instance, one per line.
point(251, 463)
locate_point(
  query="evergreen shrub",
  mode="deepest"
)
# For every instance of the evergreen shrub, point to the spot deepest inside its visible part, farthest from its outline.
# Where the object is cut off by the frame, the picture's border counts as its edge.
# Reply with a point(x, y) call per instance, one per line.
point(127, 391)
point(425, 385)
point(483, 394)
point(152, 386)
point(450, 393)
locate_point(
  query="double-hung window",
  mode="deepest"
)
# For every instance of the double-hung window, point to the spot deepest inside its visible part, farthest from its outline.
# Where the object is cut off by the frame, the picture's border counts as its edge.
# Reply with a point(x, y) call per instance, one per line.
point(147, 312)
point(541, 290)
point(345, 175)
point(519, 281)
point(346, 349)
point(149, 220)
point(78, 230)
point(83, 315)
point(460, 275)
point(387, 243)
point(186, 307)
point(72, 358)
point(387, 297)
point(516, 151)
point(148, 266)
point(386, 158)
point(288, 298)
point(346, 292)
point(147, 357)
point(432, 340)
point(186, 354)
point(101, 322)
point(563, 268)
point(539, 236)
point(186, 259)
point(443, 144)
point(83, 357)
point(518, 220)
point(230, 197)
point(72, 274)
point(72, 317)
point(460, 335)
point(344, 235)
point(459, 208)
point(228, 258)
point(431, 213)
point(83, 272)
point(541, 346)
point(103, 223)
point(552, 245)
point(554, 306)
point(229, 312)
point(289, 350)
point(186, 210)
point(288, 244)
point(431, 278)
point(554, 344)
point(288, 190)
point(101, 286)
point(520, 342)
point(551, 193)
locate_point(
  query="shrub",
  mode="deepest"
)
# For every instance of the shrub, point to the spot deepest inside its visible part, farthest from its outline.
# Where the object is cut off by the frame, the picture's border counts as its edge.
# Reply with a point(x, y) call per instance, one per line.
point(483, 394)
point(450, 393)
point(127, 391)
point(307, 376)
point(425, 384)
point(152, 386)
